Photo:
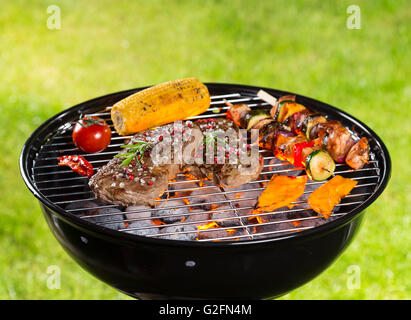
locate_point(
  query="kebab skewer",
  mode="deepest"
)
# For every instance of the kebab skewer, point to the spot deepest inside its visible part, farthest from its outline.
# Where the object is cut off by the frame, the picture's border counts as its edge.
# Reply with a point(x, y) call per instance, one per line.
point(284, 144)
point(336, 139)
point(297, 135)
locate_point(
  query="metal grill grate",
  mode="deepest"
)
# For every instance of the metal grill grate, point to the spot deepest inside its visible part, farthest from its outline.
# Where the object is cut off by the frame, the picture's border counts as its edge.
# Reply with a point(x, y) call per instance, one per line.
point(232, 210)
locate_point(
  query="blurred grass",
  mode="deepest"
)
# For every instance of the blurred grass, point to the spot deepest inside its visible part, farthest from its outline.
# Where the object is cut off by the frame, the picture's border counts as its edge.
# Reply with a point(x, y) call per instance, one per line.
point(299, 46)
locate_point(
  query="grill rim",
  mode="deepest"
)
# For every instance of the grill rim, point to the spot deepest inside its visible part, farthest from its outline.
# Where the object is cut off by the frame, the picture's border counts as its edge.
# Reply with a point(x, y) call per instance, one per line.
point(114, 235)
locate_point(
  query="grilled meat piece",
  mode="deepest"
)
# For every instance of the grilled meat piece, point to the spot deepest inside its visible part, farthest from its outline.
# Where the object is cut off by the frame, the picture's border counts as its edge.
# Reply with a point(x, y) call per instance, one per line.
point(226, 174)
point(237, 113)
point(358, 155)
point(269, 133)
point(298, 120)
point(142, 180)
point(112, 183)
point(336, 138)
point(262, 123)
point(236, 175)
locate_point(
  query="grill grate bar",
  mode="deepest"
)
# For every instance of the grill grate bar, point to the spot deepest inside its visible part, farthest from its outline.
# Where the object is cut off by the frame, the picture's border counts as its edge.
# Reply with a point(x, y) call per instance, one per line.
point(107, 153)
point(198, 188)
point(220, 102)
point(240, 219)
point(75, 149)
point(220, 210)
point(193, 180)
point(104, 161)
point(102, 114)
point(179, 175)
point(238, 237)
point(61, 188)
point(183, 206)
point(171, 183)
point(63, 171)
point(212, 103)
point(236, 228)
point(197, 213)
point(178, 198)
point(232, 227)
point(59, 144)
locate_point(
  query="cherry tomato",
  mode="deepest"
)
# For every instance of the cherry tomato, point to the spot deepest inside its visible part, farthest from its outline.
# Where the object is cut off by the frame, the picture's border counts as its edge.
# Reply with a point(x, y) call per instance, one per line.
point(91, 134)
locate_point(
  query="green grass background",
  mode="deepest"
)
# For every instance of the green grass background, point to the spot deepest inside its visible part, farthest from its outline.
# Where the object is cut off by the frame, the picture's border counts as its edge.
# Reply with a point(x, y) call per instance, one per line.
point(299, 46)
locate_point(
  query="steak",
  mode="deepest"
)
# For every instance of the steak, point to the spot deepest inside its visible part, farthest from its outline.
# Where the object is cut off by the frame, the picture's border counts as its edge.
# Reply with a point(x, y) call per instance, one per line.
point(232, 163)
point(140, 179)
point(143, 180)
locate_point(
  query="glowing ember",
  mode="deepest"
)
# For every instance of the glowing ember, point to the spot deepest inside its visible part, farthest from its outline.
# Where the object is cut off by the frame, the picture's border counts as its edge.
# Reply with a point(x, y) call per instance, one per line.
point(158, 222)
point(230, 231)
point(209, 225)
point(238, 195)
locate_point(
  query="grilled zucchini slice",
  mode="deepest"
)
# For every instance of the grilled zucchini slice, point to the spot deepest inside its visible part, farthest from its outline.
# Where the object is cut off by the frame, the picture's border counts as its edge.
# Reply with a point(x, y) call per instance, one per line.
point(312, 121)
point(319, 165)
point(255, 116)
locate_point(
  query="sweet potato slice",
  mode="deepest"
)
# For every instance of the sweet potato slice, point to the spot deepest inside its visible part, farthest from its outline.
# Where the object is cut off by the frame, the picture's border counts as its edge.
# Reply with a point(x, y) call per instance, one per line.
point(325, 198)
point(281, 191)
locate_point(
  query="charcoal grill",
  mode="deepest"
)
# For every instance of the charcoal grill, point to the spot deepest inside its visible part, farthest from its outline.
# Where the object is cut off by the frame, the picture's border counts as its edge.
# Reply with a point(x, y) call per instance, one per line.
point(237, 257)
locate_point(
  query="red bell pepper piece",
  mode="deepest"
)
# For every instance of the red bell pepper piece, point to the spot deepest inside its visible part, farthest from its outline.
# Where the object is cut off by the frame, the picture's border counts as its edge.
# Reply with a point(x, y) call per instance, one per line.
point(297, 152)
point(77, 164)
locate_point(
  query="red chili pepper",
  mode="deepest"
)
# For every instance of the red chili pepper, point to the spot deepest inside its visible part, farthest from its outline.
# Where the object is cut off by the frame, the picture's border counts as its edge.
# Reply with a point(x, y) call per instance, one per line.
point(297, 151)
point(77, 164)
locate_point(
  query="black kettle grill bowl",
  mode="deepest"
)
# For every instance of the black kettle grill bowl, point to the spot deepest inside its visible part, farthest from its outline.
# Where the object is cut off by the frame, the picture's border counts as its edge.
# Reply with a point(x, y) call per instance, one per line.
point(152, 268)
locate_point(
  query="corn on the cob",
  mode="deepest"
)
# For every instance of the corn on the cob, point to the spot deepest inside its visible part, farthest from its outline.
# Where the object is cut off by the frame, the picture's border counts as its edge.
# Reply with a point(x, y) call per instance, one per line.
point(161, 104)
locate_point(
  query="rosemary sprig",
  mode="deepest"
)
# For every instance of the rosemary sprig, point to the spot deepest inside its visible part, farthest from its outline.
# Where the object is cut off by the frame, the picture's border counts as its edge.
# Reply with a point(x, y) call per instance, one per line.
point(211, 137)
point(138, 148)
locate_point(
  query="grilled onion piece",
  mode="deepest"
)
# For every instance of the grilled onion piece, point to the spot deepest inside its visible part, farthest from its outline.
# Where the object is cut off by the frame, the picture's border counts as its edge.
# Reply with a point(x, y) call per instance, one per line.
point(310, 122)
point(254, 117)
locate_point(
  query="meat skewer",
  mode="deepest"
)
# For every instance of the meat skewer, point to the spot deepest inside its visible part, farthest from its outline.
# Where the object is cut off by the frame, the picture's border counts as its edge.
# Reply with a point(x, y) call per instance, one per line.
point(336, 139)
point(293, 133)
point(284, 143)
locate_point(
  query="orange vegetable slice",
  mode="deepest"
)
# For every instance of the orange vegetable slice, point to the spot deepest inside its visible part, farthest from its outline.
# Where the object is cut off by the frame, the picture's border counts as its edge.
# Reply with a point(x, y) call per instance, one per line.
point(281, 191)
point(325, 198)
point(288, 109)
